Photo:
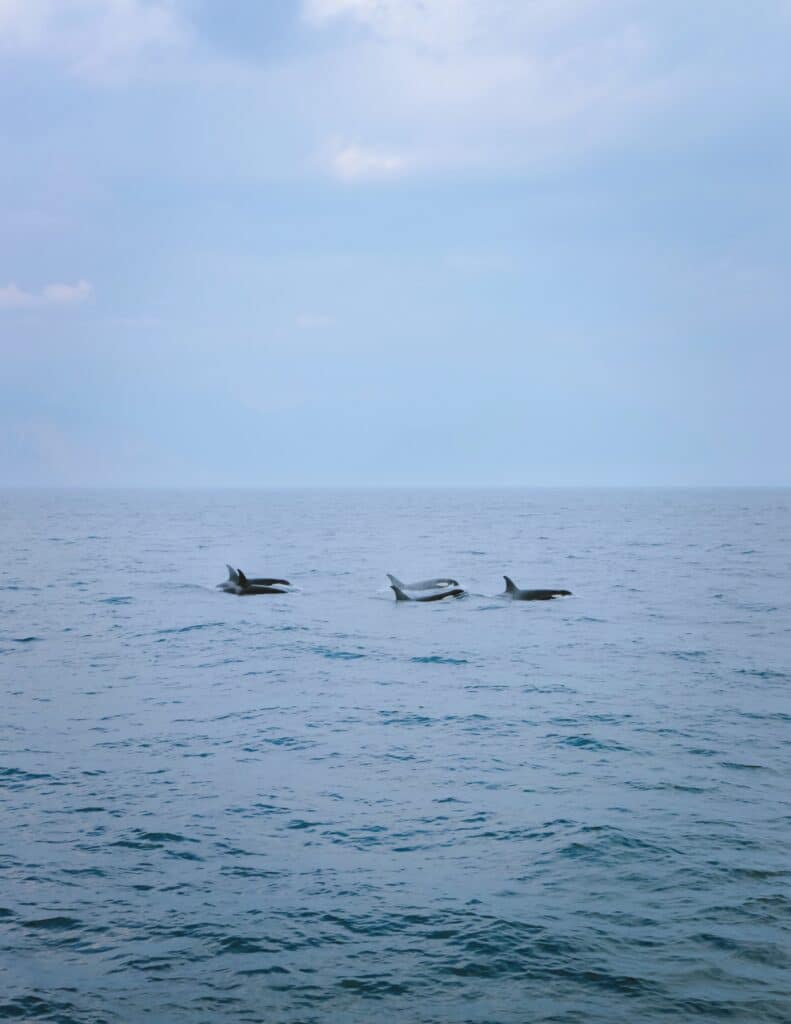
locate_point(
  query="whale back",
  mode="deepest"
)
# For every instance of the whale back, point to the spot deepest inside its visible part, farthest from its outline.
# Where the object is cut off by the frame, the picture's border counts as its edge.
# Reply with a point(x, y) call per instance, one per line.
point(252, 590)
point(435, 583)
point(454, 592)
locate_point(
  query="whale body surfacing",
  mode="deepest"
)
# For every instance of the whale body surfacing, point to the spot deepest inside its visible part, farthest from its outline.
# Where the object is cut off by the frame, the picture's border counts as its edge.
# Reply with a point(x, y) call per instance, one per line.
point(237, 583)
point(516, 594)
point(437, 583)
point(401, 596)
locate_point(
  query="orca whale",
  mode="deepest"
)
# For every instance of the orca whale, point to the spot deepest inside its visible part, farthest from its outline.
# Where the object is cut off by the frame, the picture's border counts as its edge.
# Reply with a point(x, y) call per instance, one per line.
point(249, 591)
point(263, 581)
point(401, 596)
point(236, 579)
point(434, 584)
point(514, 592)
point(237, 583)
point(237, 576)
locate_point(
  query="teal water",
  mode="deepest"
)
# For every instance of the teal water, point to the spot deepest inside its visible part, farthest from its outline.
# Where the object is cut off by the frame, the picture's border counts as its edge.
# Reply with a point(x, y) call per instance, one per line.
point(327, 806)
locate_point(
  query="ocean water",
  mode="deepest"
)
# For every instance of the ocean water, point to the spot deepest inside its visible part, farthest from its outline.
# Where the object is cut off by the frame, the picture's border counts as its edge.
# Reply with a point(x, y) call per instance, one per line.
point(331, 807)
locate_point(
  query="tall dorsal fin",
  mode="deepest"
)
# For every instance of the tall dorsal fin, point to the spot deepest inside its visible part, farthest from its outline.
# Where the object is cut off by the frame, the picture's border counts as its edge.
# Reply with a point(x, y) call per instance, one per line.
point(395, 582)
point(242, 578)
point(233, 575)
point(510, 586)
point(399, 593)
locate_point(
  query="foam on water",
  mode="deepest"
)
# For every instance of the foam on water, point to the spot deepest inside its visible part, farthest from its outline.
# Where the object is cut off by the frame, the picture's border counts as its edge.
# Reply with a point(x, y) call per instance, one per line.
point(330, 806)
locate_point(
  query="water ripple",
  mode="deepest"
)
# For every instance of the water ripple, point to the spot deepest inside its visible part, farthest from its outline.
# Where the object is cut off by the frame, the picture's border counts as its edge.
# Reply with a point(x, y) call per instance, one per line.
point(324, 810)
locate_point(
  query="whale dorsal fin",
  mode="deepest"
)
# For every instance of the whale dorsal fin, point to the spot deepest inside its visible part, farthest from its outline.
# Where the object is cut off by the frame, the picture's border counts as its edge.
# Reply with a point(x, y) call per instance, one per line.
point(242, 578)
point(395, 582)
point(399, 593)
point(510, 586)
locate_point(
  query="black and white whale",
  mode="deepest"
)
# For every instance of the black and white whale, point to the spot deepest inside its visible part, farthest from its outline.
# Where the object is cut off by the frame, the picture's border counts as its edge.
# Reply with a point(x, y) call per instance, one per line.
point(237, 583)
point(402, 596)
point(438, 583)
point(236, 579)
point(514, 592)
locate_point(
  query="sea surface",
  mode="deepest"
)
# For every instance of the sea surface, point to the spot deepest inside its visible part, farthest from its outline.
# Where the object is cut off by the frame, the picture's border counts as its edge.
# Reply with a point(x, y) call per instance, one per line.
point(330, 807)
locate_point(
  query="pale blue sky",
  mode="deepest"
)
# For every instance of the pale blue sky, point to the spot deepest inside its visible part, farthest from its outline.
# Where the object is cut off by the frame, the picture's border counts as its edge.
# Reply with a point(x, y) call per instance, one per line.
point(395, 241)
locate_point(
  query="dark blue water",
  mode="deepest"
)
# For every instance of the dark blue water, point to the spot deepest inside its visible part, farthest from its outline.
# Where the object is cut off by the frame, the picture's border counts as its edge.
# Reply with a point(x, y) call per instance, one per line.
point(330, 807)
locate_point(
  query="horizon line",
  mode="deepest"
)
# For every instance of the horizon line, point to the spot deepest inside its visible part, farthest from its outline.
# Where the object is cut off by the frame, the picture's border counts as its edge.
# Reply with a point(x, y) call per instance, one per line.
point(388, 486)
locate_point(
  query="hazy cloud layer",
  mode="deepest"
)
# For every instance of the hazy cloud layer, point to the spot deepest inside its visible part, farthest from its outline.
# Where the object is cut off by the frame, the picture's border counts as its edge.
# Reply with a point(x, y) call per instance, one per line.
point(536, 241)
point(13, 297)
point(410, 87)
point(98, 40)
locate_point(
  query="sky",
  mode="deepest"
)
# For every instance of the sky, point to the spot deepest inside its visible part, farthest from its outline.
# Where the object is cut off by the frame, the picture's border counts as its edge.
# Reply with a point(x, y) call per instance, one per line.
point(395, 242)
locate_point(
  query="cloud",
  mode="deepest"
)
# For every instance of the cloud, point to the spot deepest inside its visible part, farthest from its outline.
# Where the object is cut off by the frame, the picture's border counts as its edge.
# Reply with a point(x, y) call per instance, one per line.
point(100, 39)
point(453, 27)
point(412, 20)
point(411, 87)
point(442, 83)
point(66, 294)
point(359, 163)
point(484, 83)
point(13, 297)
